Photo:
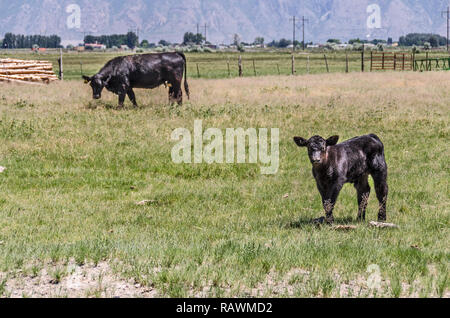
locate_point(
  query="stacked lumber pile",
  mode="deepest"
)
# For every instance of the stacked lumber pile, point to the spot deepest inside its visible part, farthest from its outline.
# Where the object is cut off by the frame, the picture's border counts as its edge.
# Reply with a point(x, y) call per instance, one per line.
point(26, 71)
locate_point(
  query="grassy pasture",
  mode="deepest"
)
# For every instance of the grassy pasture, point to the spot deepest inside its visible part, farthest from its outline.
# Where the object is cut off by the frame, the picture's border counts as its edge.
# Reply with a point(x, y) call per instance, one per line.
point(75, 169)
point(214, 65)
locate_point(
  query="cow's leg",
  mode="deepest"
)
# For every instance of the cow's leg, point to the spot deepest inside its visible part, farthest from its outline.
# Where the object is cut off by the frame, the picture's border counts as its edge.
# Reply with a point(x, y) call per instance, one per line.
point(132, 97)
point(121, 99)
point(175, 91)
point(329, 198)
point(363, 190)
point(381, 188)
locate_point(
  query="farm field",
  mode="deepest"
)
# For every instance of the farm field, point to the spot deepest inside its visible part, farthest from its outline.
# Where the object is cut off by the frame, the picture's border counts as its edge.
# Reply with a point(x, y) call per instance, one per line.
point(215, 65)
point(76, 168)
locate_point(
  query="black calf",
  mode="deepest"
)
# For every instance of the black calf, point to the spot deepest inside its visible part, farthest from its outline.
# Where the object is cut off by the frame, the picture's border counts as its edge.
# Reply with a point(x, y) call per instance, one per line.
point(348, 162)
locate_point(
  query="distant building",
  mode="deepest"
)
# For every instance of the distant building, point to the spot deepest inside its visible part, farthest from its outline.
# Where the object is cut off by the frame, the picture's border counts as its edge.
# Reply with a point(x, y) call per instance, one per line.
point(38, 49)
point(95, 46)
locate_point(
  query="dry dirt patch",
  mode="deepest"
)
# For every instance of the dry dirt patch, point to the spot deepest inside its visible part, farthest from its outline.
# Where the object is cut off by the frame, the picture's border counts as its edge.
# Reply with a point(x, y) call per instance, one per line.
point(72, 281)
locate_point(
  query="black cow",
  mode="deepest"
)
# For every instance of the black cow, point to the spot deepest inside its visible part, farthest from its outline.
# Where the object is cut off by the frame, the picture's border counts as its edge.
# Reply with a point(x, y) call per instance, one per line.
point(348, 162)
point(121, 74)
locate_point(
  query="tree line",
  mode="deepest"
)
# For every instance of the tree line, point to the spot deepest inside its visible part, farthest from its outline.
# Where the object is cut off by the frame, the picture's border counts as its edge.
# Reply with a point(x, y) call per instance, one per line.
point(114, 40)
point(20, 41)
point(419, 39)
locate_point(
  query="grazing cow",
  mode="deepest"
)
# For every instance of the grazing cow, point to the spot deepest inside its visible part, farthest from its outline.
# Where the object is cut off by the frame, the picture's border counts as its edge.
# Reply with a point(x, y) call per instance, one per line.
point(121, 74)
point(351, 161)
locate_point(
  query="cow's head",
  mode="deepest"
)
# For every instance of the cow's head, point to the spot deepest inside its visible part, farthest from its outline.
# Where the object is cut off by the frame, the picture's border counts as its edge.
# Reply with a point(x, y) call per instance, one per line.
point(97, 83)
point(317, 147)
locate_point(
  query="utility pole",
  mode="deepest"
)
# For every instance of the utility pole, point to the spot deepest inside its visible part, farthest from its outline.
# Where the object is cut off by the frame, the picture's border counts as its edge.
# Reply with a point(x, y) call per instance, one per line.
point(303, 29)
point(85, 33)
point(448, 19)
point(198, 28)
point(293, 31)
point(206, 26)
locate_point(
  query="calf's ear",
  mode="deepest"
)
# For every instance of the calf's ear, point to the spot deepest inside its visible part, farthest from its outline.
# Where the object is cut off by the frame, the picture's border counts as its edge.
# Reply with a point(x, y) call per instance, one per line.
point(301, 142)
point(87, 79)
point(332, 140)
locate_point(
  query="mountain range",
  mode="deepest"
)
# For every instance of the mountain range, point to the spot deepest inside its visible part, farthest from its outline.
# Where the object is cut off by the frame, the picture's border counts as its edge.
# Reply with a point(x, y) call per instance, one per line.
point(272, 19)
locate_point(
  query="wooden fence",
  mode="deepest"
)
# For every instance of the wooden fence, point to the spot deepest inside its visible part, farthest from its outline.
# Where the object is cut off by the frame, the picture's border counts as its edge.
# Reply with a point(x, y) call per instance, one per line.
point(391, 61)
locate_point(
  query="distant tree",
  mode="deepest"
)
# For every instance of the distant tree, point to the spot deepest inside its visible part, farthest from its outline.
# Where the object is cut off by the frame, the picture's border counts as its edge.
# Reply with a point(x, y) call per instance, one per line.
point(132, 40)
point(144, 44)
point(353, 41)
point(259, 41)
point(190, 37)
point(284, 43)
point(434, 42)
point(20, 41)
point(337, 41)
point(389, 41)
point(419, 39)
point(236, 39)
point(164, 43)
point(377, 41)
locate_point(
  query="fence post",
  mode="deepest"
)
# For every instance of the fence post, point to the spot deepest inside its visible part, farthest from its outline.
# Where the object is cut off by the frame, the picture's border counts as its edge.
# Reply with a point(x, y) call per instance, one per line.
point(60, 62)
point(240, 65)
point(228, 66)
point(278, 68)
point(382, 62)
point(426, 61)
point(346, 62)
point(414, 61)
point(293, 64)
point(362, 58)
point(403, 63)
point(254, 67)
point(307, 65)
point(371, 60)
point(326, 63)
point(198, 71)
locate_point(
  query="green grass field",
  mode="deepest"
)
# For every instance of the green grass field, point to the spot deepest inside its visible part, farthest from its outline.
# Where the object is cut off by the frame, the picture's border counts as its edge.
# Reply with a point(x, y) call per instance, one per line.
point(75, 169)
point(215, 65)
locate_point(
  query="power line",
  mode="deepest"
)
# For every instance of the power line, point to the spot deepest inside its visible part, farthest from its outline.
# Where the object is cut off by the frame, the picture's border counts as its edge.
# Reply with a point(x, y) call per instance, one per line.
point(303, 30)
point(293, 32)
point(294, 25)
point(206, 26)
point(448, 19)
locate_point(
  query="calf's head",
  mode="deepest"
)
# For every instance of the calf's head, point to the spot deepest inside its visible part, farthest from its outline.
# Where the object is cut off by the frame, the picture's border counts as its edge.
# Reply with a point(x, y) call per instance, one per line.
point(97, 83)
point(317, 147)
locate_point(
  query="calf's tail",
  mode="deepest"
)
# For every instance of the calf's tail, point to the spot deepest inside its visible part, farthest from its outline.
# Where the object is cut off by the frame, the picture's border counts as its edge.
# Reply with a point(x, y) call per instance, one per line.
point(186, 85)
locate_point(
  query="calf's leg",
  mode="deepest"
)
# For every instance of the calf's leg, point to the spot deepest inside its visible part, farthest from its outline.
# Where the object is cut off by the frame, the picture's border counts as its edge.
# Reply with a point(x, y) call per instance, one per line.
point(381, 188)
point(329, 198)
point(363, 192)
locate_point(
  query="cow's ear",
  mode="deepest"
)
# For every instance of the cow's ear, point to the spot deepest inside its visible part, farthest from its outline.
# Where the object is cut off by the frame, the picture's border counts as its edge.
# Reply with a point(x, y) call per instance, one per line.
point(301, 142)
point(87, 79)
point(332, 140)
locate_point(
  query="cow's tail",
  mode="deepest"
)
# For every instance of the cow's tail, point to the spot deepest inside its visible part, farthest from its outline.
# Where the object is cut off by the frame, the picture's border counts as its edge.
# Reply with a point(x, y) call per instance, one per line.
point(186, 85)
